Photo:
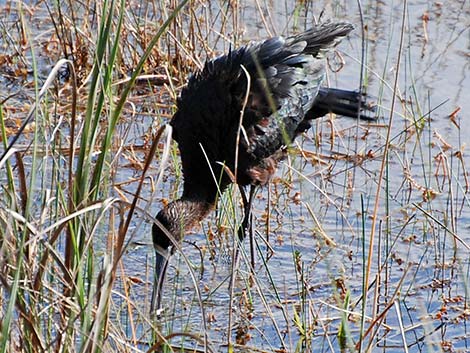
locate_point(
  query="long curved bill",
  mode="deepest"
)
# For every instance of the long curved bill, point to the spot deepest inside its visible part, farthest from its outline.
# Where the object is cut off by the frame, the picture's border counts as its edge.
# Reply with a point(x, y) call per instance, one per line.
point(162, 257)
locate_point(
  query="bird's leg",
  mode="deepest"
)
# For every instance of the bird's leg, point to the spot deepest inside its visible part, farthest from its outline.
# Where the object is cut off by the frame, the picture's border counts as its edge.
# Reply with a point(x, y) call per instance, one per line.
point(250, 225)
point(247, 224)
point(241, 231)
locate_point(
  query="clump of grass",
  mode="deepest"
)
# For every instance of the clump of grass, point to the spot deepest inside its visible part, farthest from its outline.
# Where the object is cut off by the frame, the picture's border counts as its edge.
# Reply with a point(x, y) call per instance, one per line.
point(59, 294)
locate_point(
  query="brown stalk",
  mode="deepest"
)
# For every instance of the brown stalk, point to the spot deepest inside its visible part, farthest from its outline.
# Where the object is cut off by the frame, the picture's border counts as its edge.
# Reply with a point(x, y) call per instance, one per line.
point(384, 160)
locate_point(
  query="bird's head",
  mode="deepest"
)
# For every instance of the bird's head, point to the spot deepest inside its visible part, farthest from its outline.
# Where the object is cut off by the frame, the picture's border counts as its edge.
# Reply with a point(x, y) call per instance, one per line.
point(170, 225)
point(175, 219)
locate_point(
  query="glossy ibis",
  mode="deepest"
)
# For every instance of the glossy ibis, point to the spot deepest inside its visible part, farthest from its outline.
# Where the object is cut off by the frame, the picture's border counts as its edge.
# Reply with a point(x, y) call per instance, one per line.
point(236, 116)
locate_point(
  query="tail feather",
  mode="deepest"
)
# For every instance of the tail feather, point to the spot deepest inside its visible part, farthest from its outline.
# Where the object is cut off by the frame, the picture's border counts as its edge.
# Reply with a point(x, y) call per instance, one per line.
point(321, 38)
point(341, 102)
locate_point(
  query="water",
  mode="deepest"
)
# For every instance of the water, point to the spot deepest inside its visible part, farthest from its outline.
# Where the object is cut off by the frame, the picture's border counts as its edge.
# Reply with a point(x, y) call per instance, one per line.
point(422, 277)
point(314, 265)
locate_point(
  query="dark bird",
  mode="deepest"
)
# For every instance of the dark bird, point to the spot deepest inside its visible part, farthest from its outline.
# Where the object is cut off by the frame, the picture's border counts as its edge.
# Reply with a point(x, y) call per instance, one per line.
point(235, 118)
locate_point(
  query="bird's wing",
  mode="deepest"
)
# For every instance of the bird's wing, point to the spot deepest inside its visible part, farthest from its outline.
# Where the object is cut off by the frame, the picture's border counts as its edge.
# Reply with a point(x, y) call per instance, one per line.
point(278, 80)
point(285, 76)
point(283, 88)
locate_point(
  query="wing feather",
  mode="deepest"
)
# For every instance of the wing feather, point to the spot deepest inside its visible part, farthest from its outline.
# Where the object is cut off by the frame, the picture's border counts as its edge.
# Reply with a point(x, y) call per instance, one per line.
point(285, 76)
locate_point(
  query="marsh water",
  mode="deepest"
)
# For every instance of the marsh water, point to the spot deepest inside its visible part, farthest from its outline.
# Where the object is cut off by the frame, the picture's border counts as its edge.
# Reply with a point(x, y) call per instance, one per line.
point(419, 269)
point(313, 223)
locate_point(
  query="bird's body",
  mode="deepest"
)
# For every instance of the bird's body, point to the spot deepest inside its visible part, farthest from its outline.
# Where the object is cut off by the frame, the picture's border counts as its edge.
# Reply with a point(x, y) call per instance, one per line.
point(236, 116)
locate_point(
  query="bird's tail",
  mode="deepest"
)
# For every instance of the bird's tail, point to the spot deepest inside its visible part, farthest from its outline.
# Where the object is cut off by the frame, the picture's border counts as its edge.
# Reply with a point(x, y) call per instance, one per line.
point(341, 102)
point(321, 38)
